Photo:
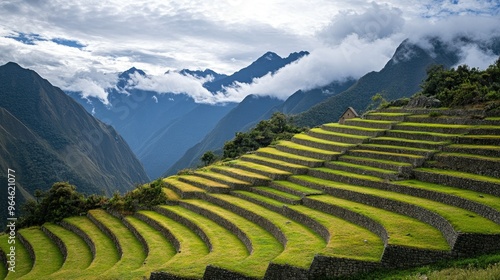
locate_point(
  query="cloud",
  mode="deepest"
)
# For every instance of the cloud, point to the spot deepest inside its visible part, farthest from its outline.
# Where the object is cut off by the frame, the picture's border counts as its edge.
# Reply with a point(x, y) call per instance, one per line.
point(378, 21)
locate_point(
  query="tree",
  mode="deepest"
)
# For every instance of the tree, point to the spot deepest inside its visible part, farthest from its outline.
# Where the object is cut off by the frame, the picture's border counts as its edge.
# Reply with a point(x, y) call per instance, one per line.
point(208, 158)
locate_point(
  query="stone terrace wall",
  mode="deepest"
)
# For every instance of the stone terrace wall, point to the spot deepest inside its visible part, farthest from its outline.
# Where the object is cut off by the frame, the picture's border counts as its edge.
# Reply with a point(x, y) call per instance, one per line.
point(164, 231)
point(80, 233)
point(108, 232)
point(284, 271)
point(217, 273)
point(329, 267)
point(132, 229)
point(59, 243)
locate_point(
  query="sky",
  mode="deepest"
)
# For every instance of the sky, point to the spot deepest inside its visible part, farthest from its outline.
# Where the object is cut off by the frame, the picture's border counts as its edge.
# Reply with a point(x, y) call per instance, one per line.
point(83, 45)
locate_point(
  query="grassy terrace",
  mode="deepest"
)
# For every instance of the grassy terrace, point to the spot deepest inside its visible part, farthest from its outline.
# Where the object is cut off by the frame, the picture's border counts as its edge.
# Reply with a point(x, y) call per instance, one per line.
point(372, 160)
point(302, 243)
point(48, 258)
point(313, 139)
point(360, 168)
point(221, 178)
point(274, 192)
point(265, 246)
point(203, 182)
point(388, 114)
point(474, 149)
point(462, 175)
point(300, 147)
point(486, 199)
point(394, 148)
point(295, 188)
point(402, 230)
point(255, 167)
point(272, 162)
point(171, 195)
point(409, 142)
point(191, 248)
point(160, 249)
point(106, 255)
point(461, 220)
point(268, 151)
point(133, 253)
point(182, 186)
point(23, 261)
point(471, 156)
point(435, 125)
point(227, 250)
point(79, 256)
point(326, 132)
point(347, 240)
point(252, 177)
point(354, 128)
point(408, 158)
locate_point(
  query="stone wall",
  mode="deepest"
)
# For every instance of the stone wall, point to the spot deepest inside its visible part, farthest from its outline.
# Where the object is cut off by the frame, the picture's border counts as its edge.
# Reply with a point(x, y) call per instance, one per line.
point(80, 233)
point(478, 166)
point(132, 229)
point(225, 223)
point(59, 243)
point(217, 273)
point(463, 183)
point(164, 231)
point(108, 232)
point(188, 223)
point(285, 271)
point(162, 275)
point(329, 267)
point(3, 258)
point(28, 246)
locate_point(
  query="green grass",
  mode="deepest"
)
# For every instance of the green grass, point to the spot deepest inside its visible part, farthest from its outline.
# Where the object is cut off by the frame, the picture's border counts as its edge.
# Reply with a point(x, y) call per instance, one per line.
point(269, 150)
point(322, 141)
point(343, 173)
point(435, 125)
point(278, 193)
point(486, 199)
point(389, 154)
point(184, 187)
point(299, 147)
point(427, 133)
point(222, 177)
point(493, 118)
point(171, 195)
point(389, 114)
point(189, 261)
point(48, 257)
point(235, 170)
point(133, 253)
point(204, 181)
point(106, 255)
point(79, 256)
point(363, 167)
point(461, 219)
point(261, 198)
point(265, 246)
point(396, 147)
point(480, 136)
point(322, 131)
point(302, 243)
point(160, 249)
point(397, 163)
point(265, 168)
point(296, 187)
point(347, 240)
point(471, 156)
point(402, 230)
point(370, 121)
point(403, 140)
point(23, 261)
point(483, 147)
point(276, 162)
point(461, 175)
point(335, 125)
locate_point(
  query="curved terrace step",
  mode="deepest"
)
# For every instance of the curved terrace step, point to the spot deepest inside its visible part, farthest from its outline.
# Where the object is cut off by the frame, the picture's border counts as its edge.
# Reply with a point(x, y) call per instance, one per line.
point(336, 136)
point(314, 142)
point(364, 170)
point(480, 150)
point(241, 174)
point(399, 167)
point(105, 254)
point(78, 255)
point(294, 189)
point(478, 140)
point(24, 263)
point(278, 195)
point(422, 135)
point(263, 169)
point(396, 117)
point(398, 149)
point(131, 249)
point(223, 179)
point(433, 127)
point(273, 153)
point(353, 130)
point(182, 189)
point(420, 144)
point(473, 182)
point(376, 124)
point(205, 184)
point(300, 242)
point(412, 159)
point(264, 246)
point(476, 164)
point(189, 262)
point(301, 150)
point(279, 164)
point(47, 258)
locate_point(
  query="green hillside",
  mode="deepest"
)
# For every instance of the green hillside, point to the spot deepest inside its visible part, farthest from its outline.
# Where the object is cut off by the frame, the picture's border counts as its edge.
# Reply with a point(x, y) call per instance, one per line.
point(397, 188)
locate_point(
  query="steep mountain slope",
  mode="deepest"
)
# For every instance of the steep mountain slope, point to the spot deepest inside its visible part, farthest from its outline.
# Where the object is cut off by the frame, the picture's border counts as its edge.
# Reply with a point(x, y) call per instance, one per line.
point(47, 137)
point(251, 110)
point(170, 143)
point(400, 77)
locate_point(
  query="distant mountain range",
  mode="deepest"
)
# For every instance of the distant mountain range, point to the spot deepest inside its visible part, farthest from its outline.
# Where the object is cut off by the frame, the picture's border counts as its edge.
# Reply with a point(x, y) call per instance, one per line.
point(160, 128)
point(47, 137)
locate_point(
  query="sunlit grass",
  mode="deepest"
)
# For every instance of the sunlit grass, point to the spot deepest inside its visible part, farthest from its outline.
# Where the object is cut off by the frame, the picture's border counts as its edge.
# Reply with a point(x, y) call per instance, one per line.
point(299, 147)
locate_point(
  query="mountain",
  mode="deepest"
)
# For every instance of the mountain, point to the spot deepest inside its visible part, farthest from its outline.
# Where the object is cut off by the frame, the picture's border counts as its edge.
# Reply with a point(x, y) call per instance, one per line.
point(46, 137)
point(160, 128)
point(400, 77)
point(247, 113)
point(268, 63)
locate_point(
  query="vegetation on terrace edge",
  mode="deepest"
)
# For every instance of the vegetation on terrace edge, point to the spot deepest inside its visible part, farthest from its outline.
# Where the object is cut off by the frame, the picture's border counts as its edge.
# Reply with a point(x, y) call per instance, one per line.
point(63, 200)
point(266, 132)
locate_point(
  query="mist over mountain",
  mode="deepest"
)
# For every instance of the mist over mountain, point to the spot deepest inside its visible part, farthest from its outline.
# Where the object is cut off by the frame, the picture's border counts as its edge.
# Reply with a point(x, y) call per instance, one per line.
point(161, 126)
point(48, 137)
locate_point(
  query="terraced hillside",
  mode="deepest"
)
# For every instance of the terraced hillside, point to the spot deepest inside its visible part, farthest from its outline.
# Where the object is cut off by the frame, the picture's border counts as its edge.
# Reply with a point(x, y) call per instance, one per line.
point(397, 188)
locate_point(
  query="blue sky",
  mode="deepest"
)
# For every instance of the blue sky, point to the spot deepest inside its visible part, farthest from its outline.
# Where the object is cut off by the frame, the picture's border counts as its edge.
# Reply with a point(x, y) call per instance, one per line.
point(82, 45)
